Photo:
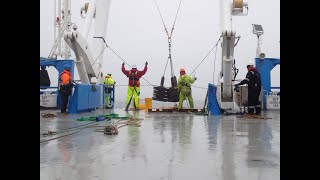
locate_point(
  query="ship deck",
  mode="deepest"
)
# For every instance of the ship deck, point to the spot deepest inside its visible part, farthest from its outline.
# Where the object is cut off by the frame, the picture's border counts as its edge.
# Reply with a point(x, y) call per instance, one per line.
point(167, 146)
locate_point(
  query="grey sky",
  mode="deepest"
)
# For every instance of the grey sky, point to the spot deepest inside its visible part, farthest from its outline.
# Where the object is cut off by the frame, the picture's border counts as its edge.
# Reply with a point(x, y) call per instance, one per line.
point(136, 33)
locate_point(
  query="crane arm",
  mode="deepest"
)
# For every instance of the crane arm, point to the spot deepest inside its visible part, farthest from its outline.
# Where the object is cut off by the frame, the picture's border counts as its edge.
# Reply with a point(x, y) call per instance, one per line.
point(84, 58)
point(89, 62)
point(227, 9)
point(228, 39)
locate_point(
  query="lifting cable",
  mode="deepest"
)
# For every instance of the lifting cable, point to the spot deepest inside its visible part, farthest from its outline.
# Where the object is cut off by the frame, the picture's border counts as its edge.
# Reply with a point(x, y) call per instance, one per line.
point(97, 57)
point(215, 57)
point(214, 66)
point(115, 54)
point(173, 78)
point(207, 55)
point(165, 67)
point(128, 65)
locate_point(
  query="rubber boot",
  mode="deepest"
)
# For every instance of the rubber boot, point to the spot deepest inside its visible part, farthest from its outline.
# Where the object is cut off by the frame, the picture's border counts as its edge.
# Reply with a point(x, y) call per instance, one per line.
point(258, 110)
point(251, 111)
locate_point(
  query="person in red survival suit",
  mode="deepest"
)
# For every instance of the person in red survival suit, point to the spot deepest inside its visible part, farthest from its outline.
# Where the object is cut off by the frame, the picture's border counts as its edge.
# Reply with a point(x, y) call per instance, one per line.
point(134, 84)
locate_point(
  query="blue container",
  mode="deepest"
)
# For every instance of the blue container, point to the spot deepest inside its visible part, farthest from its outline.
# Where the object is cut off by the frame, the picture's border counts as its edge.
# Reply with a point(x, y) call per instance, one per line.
point(213, 105)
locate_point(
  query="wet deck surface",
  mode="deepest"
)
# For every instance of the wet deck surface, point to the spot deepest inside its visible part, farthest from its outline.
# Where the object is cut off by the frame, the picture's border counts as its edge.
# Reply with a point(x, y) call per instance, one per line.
point(167, 146)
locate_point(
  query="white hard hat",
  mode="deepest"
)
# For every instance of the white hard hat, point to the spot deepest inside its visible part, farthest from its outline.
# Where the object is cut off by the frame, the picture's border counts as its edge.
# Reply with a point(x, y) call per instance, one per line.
point(134, 66)
point(250, 64)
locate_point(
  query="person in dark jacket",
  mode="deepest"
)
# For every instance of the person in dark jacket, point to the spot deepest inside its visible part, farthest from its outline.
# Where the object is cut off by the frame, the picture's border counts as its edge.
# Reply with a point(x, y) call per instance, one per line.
point(65, 88)
point(254, 88)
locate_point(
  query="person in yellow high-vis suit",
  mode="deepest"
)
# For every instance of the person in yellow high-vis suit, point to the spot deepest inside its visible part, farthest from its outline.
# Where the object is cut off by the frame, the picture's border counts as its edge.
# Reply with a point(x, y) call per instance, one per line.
point(184, 87)
point(134, 84)
point(109, 82)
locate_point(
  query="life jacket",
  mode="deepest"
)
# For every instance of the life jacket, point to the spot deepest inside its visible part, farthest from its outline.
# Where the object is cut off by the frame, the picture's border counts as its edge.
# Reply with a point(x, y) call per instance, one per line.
point(65, 77)
point(109, 81)
point(133, 79)
point(254, 78)
point(184, 81)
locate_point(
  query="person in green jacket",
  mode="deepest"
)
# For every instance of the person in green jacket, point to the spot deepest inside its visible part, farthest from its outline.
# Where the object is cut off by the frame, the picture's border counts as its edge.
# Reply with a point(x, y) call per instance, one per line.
point(184, 87)
point(109, 83)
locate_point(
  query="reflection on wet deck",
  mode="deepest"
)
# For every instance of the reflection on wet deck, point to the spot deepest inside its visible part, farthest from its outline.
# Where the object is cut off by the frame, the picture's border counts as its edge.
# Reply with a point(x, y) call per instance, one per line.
point(167, 146)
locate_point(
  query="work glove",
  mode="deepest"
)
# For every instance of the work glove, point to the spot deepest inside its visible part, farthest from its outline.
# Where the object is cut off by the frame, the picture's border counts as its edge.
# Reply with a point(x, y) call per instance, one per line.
point(236, 87)
point(122, 64)
point(146, 63)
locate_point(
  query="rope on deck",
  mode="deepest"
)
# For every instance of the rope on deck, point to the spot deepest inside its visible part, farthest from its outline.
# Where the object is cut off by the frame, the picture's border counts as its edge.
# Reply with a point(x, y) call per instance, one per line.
point(47, 115)
point(113, 129)
point(249, 116)
point(108, 130)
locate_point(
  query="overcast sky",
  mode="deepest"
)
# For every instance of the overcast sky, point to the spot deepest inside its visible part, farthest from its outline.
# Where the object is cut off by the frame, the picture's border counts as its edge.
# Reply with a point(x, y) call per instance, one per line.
point(136, 33)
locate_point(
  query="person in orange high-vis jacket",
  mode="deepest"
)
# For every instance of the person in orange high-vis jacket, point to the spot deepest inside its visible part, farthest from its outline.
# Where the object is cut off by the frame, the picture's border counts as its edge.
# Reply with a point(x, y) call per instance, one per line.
point(65, 88)
point(134, 84)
